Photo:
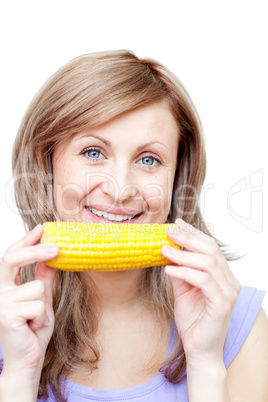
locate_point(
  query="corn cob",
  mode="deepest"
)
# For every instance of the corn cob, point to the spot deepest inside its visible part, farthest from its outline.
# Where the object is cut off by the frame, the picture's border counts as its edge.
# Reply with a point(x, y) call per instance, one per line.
point(106, 247)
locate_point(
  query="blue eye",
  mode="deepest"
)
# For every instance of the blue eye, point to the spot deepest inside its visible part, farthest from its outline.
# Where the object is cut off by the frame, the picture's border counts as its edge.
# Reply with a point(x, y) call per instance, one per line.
point(148, 160)
point(93, 153)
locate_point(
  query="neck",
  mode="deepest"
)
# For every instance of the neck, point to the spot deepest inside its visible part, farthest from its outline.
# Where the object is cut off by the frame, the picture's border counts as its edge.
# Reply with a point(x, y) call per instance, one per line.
point(119, 289)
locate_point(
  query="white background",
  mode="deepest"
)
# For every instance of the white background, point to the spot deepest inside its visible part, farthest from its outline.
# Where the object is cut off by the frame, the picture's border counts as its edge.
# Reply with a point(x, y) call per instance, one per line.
point(219, 51)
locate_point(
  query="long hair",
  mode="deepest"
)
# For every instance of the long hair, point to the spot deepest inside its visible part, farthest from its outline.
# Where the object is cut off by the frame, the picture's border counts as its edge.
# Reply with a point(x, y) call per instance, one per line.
point(87, 92)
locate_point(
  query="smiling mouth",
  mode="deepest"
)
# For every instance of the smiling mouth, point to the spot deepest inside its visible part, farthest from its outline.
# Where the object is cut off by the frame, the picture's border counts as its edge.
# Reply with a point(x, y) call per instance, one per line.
point(112, 217)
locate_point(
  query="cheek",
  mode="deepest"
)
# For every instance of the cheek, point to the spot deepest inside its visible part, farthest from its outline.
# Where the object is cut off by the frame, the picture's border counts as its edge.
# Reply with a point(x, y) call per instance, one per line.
point(158, 196)
point(66, 199)
point(68, 192)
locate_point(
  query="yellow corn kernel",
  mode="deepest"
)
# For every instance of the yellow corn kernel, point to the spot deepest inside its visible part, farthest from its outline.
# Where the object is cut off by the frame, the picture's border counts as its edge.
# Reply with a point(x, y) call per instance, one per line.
point(106, 247)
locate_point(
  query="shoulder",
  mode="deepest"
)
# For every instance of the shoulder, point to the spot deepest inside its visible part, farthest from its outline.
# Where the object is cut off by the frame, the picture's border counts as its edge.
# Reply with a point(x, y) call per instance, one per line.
point(248, 368)
point(245, 313)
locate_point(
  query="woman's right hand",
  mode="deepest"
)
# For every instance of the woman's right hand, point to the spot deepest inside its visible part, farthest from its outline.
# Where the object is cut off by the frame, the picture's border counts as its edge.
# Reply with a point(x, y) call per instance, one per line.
point(26, 313)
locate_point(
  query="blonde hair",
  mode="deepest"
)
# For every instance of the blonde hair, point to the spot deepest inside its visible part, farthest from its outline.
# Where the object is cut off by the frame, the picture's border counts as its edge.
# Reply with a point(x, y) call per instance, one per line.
point(89, 91)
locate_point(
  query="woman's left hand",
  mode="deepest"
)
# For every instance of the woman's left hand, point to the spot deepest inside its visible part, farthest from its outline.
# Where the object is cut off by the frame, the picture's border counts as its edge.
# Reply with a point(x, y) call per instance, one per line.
point(205, 292)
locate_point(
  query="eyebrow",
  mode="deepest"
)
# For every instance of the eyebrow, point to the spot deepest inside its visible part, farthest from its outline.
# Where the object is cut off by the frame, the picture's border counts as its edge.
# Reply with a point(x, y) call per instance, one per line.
point(95, 136)
point(108, 143)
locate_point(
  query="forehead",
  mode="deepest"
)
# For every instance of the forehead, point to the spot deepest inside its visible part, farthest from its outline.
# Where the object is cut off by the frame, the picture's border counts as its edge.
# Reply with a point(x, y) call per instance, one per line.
point(150, 123)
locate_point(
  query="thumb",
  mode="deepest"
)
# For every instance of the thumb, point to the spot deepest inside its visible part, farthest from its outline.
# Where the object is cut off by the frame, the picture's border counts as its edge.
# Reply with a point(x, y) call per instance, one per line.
point(46, 274)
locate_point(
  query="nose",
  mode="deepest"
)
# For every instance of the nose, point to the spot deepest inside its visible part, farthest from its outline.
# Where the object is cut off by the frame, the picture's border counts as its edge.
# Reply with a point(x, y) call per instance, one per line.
point(120, 186)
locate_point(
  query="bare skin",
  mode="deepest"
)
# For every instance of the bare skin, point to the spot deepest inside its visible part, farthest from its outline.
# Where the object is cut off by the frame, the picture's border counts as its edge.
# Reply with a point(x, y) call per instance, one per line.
point(204, 287)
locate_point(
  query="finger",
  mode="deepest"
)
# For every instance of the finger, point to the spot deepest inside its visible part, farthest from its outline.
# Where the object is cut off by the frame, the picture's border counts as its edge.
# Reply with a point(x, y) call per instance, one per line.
point(192, 239)
point(31, 238)
point(190, 259)
point(216, 266)
point(30, 291)
point(13, 259)
point(46, 275)
point(215, 295)
point(29, 255)
point(20, 313)
point(180, 287)
point(39, 322)
point(194, 278)
point(36, 313)
point(17, 279)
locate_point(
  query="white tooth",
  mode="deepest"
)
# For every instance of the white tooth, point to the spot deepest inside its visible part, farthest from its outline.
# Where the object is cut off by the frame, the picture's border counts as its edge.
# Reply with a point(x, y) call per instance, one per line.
point(111, 217)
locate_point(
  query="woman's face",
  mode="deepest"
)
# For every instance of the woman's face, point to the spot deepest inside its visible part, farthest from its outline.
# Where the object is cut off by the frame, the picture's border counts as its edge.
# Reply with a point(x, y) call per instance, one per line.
point(121, 172)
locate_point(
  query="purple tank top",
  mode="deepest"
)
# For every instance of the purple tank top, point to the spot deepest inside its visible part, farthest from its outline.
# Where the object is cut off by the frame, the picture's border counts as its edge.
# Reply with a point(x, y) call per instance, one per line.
point(159, 389)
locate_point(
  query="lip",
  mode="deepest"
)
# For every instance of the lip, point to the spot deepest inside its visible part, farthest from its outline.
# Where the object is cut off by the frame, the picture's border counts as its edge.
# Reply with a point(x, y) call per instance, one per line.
point(101, 219)
point(114, 210)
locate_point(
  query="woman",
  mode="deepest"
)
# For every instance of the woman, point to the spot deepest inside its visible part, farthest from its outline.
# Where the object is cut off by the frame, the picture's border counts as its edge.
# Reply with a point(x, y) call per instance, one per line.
point(113, 138)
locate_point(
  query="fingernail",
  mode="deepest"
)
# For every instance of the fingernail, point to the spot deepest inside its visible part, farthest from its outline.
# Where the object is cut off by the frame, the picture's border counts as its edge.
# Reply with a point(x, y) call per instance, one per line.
point(36, 227)
point(180, 221)
point(170, 269)
point(173, 230)
point(47, 322)
point(182, 225)
point(168, 249)
point(51, 248)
